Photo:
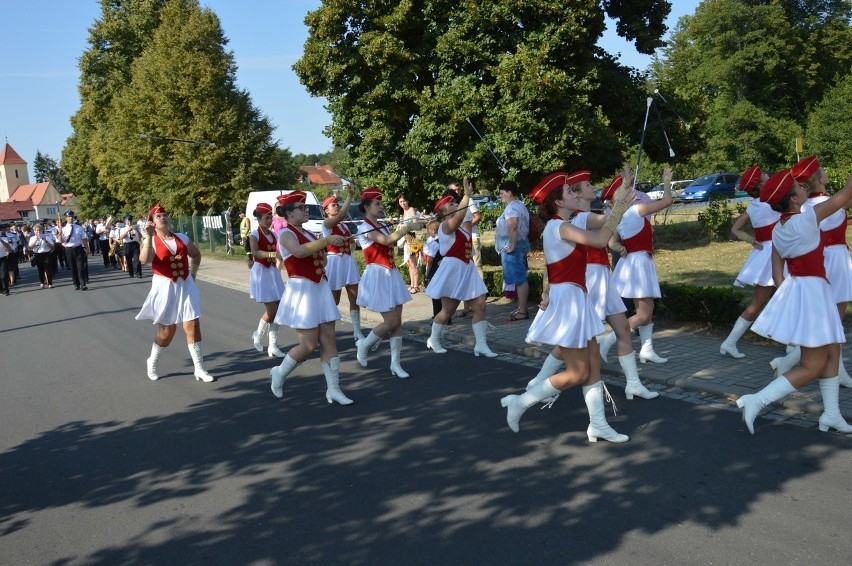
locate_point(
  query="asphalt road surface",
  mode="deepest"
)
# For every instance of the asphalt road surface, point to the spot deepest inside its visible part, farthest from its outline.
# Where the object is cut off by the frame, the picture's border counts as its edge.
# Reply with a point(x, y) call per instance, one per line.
point(99, 465)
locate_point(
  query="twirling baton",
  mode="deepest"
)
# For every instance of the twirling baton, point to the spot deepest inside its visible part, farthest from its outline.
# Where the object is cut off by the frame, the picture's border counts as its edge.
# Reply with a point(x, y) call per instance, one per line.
point(499, 163)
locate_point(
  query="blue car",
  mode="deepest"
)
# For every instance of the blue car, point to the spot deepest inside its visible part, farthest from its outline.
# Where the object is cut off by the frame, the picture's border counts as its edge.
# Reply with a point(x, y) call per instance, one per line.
point(713, 186)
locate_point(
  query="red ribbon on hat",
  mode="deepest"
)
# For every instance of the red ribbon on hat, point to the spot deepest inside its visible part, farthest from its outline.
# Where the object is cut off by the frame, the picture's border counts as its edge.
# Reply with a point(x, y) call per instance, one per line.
point(293, 197)
point(777, 187)
point(609, 192)
point(539, 192)
point(263, 208)
point(750, 178)
point(442, 201)
point(372, 193)
point(805, 168)
point(156, 209)
point(329, 201)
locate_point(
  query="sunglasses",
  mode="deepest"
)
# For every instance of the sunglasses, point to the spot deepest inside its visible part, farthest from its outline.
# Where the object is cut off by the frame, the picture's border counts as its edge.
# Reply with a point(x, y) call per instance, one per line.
point(302, 207)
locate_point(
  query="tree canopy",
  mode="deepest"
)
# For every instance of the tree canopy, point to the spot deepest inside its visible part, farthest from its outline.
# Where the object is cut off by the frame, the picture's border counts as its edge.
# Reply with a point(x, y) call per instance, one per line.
point(747, 74)
point(408, 80)
point(157, 71)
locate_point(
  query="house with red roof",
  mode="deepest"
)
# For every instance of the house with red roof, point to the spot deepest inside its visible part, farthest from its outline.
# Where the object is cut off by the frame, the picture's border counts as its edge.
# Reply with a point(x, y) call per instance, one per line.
point(34, 201)
point(322, 175)
point(16, 212)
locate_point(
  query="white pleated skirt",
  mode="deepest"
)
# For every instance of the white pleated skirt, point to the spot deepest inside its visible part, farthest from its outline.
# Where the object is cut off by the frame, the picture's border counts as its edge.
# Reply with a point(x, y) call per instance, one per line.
point(265, 283)
point(635, 277)
point(602, 293)
point(757, 269)
point(171, 302)
point(341, 270)
point(382, 289)
point(569, 321)
point(802, 312)
point(838, 269)
point(457, 280)
point(306, 304)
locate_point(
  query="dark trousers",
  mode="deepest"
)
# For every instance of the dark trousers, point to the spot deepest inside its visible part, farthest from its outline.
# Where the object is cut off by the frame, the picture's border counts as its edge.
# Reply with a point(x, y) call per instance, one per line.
point(108, 261)
point(76, 258)
point(131, 255)
point(61, 257)
point(42, 262)
point(4, 275)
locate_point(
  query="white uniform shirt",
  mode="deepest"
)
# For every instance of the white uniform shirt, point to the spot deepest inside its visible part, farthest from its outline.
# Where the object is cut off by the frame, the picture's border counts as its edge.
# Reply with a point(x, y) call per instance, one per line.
point(42, 243)
point(73, 235)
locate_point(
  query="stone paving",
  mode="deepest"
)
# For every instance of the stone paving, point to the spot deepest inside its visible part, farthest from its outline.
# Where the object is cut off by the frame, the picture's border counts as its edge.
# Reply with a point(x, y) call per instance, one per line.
point(695, 372)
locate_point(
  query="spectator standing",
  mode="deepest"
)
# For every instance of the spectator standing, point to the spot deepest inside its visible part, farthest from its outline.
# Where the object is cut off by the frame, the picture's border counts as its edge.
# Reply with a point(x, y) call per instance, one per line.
point(513, 245)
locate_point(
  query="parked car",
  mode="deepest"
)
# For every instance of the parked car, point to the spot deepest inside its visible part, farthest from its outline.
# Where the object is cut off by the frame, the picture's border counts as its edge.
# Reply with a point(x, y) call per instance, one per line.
point(714, 185)
point(355, 217)
point(677, 188)
point(483, 200)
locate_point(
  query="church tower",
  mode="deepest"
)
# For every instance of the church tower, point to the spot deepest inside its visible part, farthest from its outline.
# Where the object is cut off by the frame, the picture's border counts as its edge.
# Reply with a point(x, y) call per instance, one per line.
point(13, 172)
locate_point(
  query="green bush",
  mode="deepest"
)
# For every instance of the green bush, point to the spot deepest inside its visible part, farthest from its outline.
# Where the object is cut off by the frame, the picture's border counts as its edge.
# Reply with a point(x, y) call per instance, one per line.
point(689, 303)
point(718, 218)
point(493, 279)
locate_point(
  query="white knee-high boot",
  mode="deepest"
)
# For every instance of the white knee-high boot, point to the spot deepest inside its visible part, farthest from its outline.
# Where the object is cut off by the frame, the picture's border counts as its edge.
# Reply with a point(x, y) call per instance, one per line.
point(198, 362)
point(831, 417)
point(331, 370)
point(259, 334)
point(481, 347)
point(605, 345)
point(729, 346)
point(273, 351)
point(355, 317)
point(434, 340)
point(753, 404)
point(153, 361)
point(598, 426)
point(279, 373)
point(368, 344)
point(647, 353)
point(550, 366)
point(396, 355)
point(783, 364)
point(517, 404)
point(634, 384)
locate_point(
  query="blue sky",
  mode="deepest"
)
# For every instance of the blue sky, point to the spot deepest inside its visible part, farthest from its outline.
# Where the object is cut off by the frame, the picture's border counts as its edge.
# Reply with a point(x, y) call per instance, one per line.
point(43, 39)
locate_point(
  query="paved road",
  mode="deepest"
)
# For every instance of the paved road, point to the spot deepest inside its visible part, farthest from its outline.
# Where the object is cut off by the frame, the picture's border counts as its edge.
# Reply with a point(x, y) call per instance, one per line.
point(98, 465)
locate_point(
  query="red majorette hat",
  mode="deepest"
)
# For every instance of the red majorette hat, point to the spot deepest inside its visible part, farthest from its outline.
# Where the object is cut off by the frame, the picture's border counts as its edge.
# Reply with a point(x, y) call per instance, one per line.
point(609, 192)
point(777, 186)
point(750, 178)
point(329, 201)
point(579, 177)
point(373, 193)
point(805, 168)
point(156, 209)
point(293, 197)
point(446, 199)
point(547, 185)
point(262, 208)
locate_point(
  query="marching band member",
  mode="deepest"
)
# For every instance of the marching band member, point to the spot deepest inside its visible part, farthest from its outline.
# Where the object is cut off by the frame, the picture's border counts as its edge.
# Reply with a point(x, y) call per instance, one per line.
point(569, 322)
point(173, 298)
point(42, 245)
point(635, 276)
point(74, 240)
point(342, 270)
point(757, 269)
point(265, 283)
point(457, 279)
point(307, 305)
point(838, 265)
point(803, 311)
point(382, 289)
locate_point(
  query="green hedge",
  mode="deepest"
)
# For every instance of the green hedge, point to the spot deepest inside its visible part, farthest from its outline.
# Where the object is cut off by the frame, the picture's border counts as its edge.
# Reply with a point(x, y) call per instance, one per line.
point(689, 303)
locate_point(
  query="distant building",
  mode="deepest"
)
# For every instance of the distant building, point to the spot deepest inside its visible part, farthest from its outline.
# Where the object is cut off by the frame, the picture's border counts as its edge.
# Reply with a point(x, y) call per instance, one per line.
point(322, 175)
point(13, 172)
point(17, 212)
point(34, 201)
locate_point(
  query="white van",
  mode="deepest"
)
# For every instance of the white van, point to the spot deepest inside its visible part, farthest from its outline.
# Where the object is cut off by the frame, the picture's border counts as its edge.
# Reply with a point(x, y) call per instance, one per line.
point(315, 214)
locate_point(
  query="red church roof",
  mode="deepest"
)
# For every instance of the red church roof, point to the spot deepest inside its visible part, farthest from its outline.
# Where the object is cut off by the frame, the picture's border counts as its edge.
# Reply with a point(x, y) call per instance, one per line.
point(10, 157)
point(11, 211)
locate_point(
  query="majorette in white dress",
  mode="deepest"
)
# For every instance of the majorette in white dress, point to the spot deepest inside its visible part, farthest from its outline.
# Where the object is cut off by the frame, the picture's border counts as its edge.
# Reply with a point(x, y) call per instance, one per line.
point(307, 301)
point(570, 320)
point(382, 288)
point(456, 277)
point(635, 276)
point(265, 282)
point(602, 293)
point(171, 302)
point(757, 269)
point(838, 264)
point(802, 312)
point(341, 267)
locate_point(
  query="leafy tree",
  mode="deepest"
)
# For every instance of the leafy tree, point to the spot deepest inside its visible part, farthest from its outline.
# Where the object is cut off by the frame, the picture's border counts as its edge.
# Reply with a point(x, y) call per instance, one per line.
point(403, 78)
point(746, 74)
point(829, 133)
point(160, 68)
point(47, 168)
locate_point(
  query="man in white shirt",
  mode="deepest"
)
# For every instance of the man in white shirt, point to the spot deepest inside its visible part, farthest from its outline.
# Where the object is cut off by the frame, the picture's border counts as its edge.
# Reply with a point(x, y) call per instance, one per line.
point(5, 250)
point(132, 236)
point(74, 240)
